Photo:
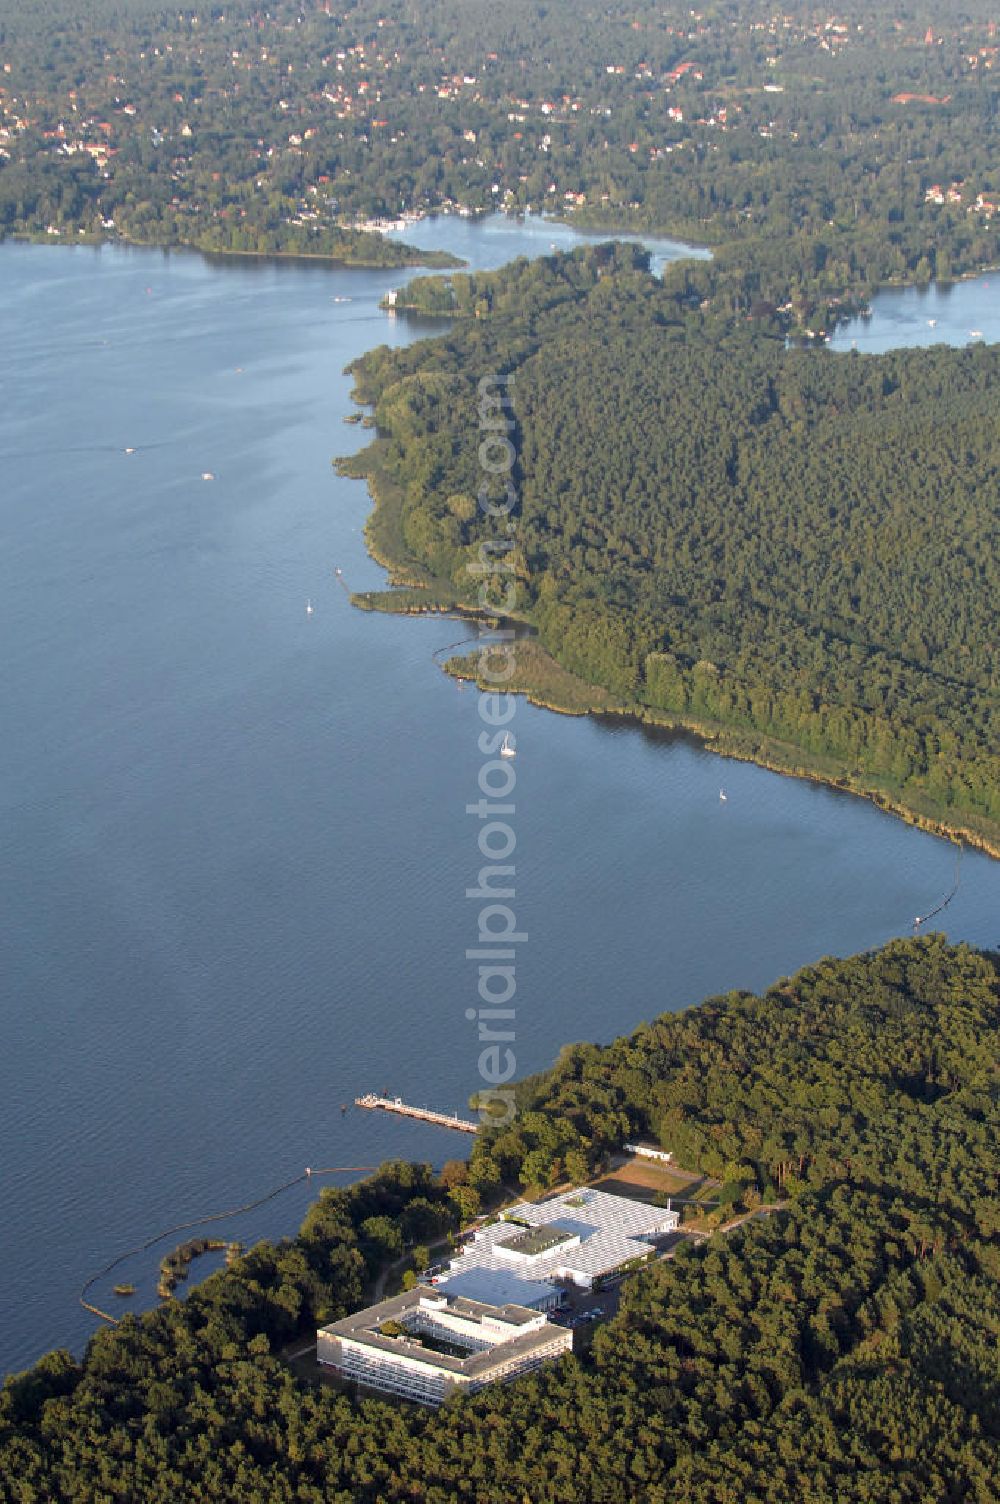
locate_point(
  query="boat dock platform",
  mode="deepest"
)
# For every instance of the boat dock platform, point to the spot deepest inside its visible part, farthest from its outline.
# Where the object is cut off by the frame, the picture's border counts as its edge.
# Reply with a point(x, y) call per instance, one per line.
point(425, 1114)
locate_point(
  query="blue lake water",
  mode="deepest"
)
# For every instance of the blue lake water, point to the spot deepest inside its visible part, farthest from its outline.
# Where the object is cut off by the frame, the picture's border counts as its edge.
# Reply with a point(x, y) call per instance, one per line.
point(499, 238)
point(953, 313)
point(235, 838)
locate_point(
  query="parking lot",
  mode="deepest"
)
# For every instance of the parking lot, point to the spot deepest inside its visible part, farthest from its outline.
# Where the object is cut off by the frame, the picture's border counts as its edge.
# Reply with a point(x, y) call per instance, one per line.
point(582, 1307)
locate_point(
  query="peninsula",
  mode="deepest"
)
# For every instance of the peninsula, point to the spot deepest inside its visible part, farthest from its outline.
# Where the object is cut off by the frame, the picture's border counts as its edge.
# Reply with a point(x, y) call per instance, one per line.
point(841, 1346)
point(785, 550)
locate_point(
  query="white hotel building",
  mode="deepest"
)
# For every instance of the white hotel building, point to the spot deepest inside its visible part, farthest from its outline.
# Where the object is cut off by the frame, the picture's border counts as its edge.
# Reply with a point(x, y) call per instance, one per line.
point(437, 1343)
point(579, 1238)
point(484, 1321)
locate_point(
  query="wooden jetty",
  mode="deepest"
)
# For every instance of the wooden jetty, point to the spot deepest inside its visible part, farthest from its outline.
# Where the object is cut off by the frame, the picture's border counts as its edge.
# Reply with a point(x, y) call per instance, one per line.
point(425, 1114)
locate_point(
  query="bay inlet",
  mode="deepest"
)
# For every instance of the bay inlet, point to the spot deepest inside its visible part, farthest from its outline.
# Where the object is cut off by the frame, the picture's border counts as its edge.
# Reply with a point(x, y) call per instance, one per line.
point(235, 836)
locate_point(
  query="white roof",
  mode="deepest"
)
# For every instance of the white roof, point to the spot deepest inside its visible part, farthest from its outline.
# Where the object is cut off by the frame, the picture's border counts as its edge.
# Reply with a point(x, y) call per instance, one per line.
point(496, 1287)
point(610, 1229)
point(632, 1219)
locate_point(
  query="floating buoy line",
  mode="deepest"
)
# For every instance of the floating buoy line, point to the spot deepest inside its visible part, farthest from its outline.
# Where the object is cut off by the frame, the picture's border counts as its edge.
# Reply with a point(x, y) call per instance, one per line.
point(923, 918)
point(481, 639)
point(451, 646)
point(233, 1211)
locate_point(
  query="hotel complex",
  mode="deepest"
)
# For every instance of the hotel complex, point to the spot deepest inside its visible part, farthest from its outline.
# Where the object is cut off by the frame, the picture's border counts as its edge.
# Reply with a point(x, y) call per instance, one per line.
point(484, 1320)
point(425, 1344)
point(580, 1238)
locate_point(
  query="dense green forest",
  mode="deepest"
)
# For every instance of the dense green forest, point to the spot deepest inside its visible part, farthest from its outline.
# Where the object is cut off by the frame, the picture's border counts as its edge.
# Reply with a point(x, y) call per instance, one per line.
point(794, 552)
point(795, 546)
point(843, 1348)
point(807, 146)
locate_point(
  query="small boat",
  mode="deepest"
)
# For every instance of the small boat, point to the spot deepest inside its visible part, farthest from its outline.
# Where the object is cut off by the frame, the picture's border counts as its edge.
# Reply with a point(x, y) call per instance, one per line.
point(130, 451)
point(723, 796)
point(309, 608)
point(975, 334)
point(207, 475)
point(932, 323)
point(506, 748)
point(338, 571)
point(917, 922)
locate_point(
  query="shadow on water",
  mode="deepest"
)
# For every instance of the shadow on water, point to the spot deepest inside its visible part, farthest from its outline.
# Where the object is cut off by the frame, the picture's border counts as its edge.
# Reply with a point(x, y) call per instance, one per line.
point(653, 735)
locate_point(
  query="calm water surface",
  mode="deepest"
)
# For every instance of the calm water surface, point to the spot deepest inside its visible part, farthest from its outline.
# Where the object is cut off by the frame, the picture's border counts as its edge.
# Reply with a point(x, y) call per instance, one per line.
point(235, 837)
point(952, 313)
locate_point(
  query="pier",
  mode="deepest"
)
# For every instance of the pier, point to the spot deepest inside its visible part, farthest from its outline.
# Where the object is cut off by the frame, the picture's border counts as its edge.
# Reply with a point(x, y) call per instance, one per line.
point(425, 1114)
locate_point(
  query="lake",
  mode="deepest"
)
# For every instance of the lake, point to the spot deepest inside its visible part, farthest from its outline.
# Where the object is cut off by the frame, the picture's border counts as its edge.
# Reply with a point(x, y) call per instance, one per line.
point(947, 313)
point(236, 840)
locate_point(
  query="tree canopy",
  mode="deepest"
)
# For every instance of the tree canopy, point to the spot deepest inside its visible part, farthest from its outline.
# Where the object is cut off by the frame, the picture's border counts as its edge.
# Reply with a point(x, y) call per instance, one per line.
point(842, 1347)
point(821, 154)
point(792, 545)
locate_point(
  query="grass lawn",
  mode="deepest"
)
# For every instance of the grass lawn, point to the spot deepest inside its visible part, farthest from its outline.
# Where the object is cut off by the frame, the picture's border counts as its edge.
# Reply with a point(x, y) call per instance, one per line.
point(637, 1176)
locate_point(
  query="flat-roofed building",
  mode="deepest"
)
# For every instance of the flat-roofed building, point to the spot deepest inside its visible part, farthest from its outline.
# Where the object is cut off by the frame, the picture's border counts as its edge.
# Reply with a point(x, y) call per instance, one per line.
point(580, 1237)
point(426, 1343)
point(497, 1287)
point(651, 1151)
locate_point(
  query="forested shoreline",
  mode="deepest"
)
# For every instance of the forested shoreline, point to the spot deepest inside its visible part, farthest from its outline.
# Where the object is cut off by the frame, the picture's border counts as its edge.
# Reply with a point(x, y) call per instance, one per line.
point(789, 549)
point(820, 158)
point(841, 1349)
point(820, 155)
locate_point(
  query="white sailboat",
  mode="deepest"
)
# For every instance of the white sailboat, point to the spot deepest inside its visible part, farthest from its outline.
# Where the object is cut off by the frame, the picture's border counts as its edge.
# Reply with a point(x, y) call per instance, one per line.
point(723, 796)
point(506, 747)
point(309, 608)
